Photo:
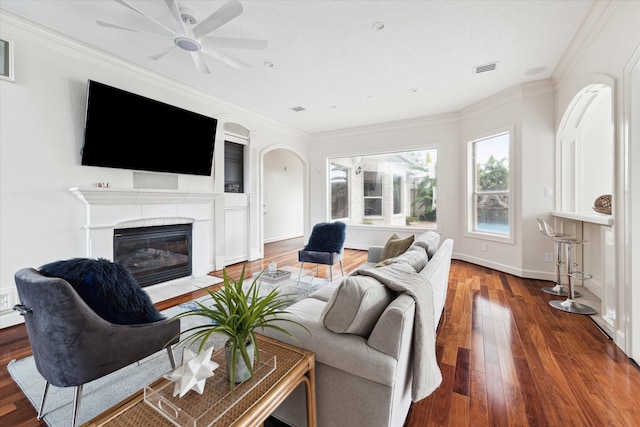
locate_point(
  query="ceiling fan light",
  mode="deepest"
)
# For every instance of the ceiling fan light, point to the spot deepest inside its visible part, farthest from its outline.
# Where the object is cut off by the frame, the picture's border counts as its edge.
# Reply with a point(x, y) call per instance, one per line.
point(187, 44)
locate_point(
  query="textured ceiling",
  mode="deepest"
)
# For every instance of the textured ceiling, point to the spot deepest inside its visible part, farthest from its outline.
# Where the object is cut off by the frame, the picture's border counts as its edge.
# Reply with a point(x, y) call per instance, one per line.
point(327, 57)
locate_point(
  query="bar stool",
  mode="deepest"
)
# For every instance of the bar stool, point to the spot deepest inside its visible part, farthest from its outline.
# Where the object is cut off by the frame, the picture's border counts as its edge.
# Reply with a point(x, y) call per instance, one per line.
point(570, 305)
point(559, 289)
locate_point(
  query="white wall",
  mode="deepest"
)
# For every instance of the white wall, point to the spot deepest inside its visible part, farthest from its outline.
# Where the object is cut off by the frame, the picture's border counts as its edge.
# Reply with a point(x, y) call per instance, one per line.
point(612, 38)
point(283, 195)
point(527, 110)
point(41, 133)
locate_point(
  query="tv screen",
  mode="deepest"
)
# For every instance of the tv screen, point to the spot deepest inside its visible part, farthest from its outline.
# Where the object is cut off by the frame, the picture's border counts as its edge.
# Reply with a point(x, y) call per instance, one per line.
point(129, 131)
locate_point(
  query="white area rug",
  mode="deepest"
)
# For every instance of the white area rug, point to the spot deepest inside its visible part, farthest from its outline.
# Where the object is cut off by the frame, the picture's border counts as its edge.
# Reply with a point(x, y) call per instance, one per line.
point(103, 393)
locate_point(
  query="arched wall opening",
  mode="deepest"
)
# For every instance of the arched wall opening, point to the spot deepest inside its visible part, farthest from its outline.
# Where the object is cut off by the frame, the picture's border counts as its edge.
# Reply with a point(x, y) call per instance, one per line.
point(585, 170)
point(585, 150)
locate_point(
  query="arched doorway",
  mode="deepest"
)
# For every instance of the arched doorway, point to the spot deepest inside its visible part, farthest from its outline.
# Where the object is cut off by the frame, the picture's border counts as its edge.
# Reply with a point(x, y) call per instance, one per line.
point(283, 178)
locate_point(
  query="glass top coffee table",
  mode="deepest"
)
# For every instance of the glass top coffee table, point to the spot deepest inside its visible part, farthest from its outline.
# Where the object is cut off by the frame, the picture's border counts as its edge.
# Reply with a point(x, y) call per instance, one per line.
point(247, 408)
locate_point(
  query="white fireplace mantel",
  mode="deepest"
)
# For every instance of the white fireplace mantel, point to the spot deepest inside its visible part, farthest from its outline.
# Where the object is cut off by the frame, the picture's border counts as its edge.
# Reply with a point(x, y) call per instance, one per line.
point(110, 208)
point(124, 196)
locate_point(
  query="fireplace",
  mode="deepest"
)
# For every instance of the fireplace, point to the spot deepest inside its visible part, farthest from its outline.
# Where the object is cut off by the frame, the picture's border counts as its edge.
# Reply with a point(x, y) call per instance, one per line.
point(154, 254)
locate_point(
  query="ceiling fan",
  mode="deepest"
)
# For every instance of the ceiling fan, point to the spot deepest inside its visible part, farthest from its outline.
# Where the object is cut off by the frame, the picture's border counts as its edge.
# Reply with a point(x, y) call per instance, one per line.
point(192, 36)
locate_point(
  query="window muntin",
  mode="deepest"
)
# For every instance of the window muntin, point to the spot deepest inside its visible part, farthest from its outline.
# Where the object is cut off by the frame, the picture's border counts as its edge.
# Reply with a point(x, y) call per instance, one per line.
point(491, 195)
point(339, 177)
point(394, 189)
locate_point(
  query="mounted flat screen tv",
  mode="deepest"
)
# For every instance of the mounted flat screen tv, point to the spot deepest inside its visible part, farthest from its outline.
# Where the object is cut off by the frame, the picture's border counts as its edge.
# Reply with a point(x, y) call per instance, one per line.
point(128, 131)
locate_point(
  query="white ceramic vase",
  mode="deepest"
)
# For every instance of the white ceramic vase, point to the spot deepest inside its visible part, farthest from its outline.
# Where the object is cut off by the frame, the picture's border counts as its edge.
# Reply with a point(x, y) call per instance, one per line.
point(242, 372)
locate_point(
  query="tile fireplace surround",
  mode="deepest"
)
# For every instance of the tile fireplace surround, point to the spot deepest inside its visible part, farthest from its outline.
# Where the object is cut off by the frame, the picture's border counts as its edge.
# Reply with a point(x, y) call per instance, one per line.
point(110, 208)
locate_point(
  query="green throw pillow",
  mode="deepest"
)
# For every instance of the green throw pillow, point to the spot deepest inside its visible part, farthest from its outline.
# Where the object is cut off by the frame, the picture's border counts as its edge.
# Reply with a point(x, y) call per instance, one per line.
point(395, 246)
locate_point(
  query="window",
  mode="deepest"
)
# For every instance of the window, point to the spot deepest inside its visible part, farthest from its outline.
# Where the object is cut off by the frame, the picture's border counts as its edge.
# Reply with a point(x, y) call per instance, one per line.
point(397, 194)
point(373, 193)
point(394, 189)
point(339, 177)
point(490, 207)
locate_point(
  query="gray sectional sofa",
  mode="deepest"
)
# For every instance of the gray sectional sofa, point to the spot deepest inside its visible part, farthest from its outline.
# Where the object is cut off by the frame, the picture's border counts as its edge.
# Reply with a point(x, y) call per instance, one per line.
point(362, 334)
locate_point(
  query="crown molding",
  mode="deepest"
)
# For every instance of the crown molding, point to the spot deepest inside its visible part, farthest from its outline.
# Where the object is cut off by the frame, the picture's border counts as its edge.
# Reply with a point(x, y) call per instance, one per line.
point(598, 15)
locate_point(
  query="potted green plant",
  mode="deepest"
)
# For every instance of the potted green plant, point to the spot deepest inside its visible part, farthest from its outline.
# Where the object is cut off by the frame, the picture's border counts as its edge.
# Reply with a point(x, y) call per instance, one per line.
point(237, 313)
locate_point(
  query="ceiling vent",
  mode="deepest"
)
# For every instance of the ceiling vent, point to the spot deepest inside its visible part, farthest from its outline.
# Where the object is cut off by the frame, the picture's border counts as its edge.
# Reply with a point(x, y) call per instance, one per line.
point(484, 68)
point(297, 109)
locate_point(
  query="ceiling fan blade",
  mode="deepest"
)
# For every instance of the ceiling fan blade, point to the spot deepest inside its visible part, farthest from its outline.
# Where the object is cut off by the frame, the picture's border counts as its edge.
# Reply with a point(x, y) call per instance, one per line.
point(201, 66)
point(231, 43)
point(227, 59)
point(217, 19)
point(125, 4)
point(120, 27)
point(175, 11)
point(161, 54)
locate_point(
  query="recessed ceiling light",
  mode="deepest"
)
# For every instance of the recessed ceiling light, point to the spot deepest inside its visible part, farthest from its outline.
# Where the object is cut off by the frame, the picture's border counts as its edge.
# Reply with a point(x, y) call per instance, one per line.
point(413, 90)
point(297, 109)
point(370, 97)
point(333, 107)
point(268, 64)
point(378, 26)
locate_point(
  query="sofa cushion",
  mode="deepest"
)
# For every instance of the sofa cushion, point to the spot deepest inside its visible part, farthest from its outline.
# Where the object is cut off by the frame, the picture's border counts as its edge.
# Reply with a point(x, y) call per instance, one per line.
point(395, 246)
point(416, 257)
point(356, 305)
point(429, 241)
point(108, 288)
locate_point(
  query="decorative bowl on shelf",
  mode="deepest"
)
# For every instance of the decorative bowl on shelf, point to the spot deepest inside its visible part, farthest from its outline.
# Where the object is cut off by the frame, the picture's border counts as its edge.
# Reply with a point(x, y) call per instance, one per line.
point(603, 204)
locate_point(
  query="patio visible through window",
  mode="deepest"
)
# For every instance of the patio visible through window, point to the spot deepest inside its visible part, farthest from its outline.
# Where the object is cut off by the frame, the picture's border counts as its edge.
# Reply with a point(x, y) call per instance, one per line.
point(394, 189)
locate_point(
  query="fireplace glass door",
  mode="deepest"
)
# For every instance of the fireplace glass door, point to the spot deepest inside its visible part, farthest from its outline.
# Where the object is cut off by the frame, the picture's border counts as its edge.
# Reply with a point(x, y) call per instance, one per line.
point(154, 254)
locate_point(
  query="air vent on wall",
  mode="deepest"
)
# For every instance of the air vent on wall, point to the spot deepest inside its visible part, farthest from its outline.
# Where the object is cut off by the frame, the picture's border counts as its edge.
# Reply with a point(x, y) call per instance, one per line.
point(297, 109)
point(484, 68)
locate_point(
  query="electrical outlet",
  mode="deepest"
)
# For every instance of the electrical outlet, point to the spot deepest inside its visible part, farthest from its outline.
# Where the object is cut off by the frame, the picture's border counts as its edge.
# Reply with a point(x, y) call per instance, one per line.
point(548, 257)
point(548, 192)
point(7, 299)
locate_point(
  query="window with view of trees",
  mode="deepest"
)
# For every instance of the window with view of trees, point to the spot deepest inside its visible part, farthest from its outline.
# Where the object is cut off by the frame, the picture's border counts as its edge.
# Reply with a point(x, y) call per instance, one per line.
point(396, 189)
point(490, 205)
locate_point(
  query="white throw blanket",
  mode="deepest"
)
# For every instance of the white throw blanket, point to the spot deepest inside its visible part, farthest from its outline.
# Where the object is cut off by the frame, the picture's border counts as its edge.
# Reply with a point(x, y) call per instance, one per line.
point(402, 277)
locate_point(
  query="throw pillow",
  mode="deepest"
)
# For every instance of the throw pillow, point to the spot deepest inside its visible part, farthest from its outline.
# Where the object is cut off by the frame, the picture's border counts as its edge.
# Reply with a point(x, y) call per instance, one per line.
point(108, 288)
point(356, 305)
point(395, 246)
point(429, 241)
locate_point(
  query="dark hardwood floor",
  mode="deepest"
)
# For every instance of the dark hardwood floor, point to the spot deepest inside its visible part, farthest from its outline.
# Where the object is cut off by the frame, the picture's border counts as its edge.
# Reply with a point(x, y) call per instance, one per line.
point(507, 357)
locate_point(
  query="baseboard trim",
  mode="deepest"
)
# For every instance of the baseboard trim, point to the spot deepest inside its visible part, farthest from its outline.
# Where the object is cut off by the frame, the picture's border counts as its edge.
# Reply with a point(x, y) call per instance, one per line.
point(527, 274)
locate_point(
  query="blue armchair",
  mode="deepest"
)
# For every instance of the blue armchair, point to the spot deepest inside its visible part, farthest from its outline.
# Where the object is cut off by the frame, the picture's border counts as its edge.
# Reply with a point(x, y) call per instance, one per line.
point(325, 246)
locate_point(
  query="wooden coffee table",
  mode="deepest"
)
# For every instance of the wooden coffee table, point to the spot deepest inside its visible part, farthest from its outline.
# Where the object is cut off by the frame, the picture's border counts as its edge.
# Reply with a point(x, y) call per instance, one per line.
point(293, 366)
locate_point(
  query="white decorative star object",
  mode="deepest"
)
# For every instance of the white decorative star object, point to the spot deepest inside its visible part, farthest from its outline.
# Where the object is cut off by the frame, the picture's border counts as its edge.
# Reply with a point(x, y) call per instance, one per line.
point(193, 372)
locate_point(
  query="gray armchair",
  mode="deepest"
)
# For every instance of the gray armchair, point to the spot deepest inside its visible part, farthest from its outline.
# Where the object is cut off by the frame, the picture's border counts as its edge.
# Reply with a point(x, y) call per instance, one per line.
point(72, 345)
